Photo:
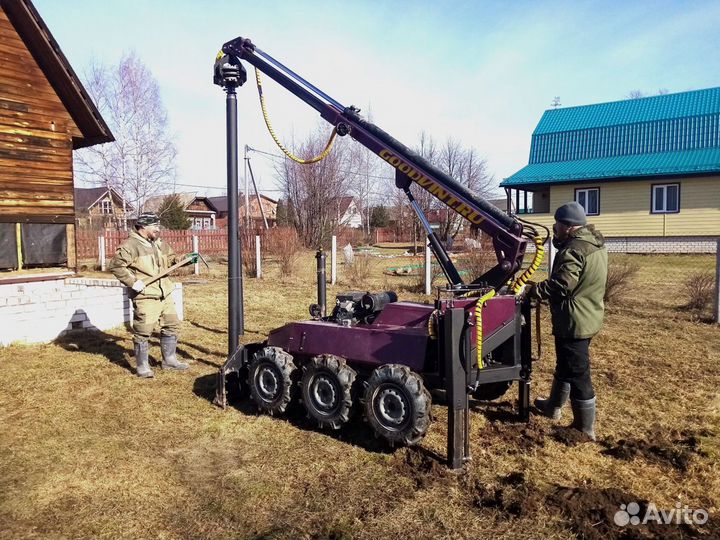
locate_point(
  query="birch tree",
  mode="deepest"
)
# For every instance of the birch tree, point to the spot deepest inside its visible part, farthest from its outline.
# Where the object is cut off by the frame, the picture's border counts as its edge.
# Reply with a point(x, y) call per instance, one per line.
point(141, 161)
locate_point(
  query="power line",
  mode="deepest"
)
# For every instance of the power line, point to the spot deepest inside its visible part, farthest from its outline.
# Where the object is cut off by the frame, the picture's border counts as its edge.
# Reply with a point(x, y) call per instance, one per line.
point(278, 156)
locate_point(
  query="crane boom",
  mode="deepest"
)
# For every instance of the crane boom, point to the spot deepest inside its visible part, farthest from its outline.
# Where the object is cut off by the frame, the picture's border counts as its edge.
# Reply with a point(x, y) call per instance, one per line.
point(506, 231)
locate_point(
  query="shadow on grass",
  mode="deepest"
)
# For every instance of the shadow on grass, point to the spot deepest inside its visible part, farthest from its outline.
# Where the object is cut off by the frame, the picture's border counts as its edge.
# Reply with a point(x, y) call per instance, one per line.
point(505, 412)
point(208, 328)
point(356, 432)
point(221, 331)
point(189, 356)
point(96, 341)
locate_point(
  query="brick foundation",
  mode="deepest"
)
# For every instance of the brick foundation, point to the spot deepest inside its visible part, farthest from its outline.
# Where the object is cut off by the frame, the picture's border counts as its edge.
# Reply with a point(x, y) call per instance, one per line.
point(40, 311)
point(655, 244)
point(660, 244)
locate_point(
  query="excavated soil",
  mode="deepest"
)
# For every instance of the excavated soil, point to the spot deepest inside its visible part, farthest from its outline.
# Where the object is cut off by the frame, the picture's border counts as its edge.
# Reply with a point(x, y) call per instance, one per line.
point(569, 436)
point(512, 495)
point(676, 448)
point(425, 469)
point(517, 437)
point(590, 512)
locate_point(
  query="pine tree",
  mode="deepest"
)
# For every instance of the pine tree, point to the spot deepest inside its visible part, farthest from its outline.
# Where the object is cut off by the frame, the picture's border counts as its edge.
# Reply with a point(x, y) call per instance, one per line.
point(379, 217)
point(290, 217)
point(173, 215)
point(281, 214)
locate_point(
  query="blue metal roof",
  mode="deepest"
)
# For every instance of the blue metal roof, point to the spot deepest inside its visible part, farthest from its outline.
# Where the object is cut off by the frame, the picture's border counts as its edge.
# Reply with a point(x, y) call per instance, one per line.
point(706, 160)
point(664, 107)
point(659, 135)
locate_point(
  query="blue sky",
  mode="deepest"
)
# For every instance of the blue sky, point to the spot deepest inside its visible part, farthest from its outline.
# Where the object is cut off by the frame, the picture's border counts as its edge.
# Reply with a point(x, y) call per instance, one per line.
point(482, 72)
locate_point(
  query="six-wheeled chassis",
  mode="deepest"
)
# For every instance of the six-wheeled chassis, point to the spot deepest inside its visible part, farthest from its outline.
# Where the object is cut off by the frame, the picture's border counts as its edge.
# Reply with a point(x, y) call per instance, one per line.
point(385, 363)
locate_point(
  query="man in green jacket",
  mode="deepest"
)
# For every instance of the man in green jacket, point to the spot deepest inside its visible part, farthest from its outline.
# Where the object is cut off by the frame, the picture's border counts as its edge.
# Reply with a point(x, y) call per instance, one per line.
point(141, 257)
point(575, 292)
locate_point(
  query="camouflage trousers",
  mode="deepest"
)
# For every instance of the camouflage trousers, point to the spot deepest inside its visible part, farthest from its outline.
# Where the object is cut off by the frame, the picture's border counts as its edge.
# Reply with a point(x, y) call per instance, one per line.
point(148, 312)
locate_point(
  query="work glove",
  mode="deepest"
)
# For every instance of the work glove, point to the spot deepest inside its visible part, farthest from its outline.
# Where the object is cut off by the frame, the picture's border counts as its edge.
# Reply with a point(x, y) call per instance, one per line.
point(531, 293)
point(138, 286)
point(193, 256)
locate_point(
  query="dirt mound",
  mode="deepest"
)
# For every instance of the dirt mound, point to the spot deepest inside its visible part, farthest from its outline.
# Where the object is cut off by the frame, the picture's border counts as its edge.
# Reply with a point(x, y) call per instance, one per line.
point(511, 494)
point(518, 437)
point(569, 436)
point(592, 514)
point(421, 466)
point(674, 447)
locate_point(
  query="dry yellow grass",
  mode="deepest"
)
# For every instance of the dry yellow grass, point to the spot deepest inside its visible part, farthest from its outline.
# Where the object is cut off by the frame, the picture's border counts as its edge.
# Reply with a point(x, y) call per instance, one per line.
point(89, 450)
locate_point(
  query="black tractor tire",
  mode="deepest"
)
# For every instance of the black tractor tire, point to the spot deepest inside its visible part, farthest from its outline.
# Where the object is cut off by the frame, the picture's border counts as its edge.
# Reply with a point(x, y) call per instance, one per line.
point(327, 390)
point(397, 404)
point(491, 391)
point(271, 378)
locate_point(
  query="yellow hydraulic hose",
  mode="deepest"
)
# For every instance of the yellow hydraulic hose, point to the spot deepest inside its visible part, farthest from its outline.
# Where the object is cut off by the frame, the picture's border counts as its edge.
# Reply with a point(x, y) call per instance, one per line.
point(534, 265)
point(479, 326)
point(320, 157)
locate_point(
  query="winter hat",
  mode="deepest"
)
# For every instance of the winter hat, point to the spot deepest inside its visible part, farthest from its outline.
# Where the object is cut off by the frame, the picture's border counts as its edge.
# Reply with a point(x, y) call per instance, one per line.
point(571, 214)
point(146, 219)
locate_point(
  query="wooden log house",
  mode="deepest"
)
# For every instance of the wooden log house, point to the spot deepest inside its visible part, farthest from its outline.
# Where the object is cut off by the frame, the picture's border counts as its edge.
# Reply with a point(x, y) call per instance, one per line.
point(45, 114)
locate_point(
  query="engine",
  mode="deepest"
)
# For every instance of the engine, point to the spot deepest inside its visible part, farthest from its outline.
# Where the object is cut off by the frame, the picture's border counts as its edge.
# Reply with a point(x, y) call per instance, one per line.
point(355, 307)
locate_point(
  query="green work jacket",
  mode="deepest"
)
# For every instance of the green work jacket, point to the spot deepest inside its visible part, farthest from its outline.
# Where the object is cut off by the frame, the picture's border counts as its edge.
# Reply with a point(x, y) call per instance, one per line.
point(139, 258)
point(575, 289)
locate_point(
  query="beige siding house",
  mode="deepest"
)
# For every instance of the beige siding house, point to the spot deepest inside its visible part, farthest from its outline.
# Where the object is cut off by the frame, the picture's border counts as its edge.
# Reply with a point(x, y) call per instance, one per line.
point(646, 170)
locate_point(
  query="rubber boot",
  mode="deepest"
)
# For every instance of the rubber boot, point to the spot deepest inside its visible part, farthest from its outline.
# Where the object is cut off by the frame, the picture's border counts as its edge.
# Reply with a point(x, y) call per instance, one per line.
point(141, 358)
point(552, 406)
point(168, 344)
point(584, 416)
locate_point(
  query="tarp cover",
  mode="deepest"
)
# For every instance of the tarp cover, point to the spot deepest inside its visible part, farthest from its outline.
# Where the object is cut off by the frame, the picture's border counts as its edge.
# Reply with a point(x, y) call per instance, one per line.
point(44, 244)
point(8, 247)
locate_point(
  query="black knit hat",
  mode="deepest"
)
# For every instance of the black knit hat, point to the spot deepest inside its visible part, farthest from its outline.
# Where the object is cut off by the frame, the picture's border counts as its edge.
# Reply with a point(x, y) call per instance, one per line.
point(571, 214)
point(146, 219)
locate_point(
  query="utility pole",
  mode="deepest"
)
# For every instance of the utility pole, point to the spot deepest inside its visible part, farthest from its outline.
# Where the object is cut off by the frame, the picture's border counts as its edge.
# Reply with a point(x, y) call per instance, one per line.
point(247, 190)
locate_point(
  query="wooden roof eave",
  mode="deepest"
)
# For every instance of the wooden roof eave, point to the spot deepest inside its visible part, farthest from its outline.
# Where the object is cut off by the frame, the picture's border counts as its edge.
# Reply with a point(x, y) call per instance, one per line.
point(46, 52)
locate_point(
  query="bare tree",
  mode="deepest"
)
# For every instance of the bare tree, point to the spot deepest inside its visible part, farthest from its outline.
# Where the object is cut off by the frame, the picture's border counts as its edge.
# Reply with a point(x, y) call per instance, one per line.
point(462, 164)
point(635, 94)
point(141, 161)
point(364, 187)
point(315, 189)
point(365, 165)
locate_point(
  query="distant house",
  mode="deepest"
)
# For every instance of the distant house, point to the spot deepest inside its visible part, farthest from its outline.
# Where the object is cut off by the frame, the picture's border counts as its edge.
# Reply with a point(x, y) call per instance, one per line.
point(101, 208)
point(502, 204)
point(647, 171)
point(348, 213)
point(266, 206)
point(200, 210)
point(45, 114)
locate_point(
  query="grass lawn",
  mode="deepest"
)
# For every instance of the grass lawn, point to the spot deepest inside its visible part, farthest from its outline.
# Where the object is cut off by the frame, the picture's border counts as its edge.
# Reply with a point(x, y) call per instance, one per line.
point(89, 450)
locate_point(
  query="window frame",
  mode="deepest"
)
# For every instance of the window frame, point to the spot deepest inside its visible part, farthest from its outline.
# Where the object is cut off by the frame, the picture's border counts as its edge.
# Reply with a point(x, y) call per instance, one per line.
point(652, 198)
point(106, 207)
point(587, 189)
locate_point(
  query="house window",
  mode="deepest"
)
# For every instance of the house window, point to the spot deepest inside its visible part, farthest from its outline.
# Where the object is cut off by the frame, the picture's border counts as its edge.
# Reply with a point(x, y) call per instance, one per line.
point(589, 199)
point(665, 198)
point(206, 223)
point(106, 206)
point(197, 223)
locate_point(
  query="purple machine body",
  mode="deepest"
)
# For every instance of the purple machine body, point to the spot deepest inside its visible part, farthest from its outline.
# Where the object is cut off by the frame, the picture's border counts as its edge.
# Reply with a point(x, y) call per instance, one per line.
point(400, 334)
point(438, 342)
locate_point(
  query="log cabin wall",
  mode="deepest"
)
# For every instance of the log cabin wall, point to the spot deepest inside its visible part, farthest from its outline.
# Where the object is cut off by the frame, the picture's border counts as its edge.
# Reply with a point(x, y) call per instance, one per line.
point(36, 131)
point(36, 142)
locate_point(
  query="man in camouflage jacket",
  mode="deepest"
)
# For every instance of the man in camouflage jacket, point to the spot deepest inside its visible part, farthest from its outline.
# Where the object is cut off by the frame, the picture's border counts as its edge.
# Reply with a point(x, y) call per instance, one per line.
point(575, 292)
point(141, 257)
